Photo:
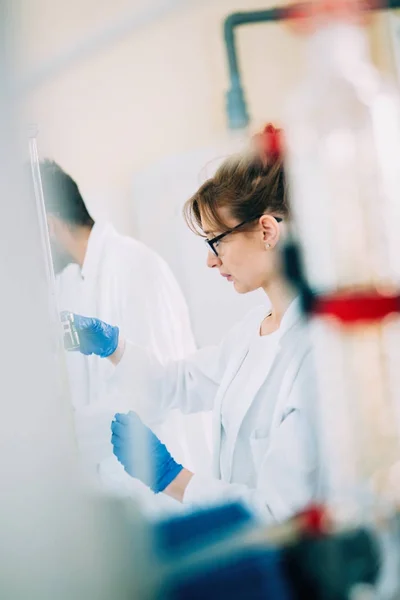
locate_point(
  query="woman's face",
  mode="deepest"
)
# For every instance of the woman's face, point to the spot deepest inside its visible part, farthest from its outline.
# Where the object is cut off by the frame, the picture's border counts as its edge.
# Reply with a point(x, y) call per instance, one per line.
point(248, 259)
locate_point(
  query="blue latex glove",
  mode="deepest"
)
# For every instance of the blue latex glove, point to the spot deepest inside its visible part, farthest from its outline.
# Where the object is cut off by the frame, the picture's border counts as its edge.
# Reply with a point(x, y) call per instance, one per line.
point(95, 336)
point(127, 432)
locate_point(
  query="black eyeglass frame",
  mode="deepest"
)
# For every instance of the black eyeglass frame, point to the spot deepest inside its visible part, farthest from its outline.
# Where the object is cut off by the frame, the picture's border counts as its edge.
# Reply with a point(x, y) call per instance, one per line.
point(210, 243)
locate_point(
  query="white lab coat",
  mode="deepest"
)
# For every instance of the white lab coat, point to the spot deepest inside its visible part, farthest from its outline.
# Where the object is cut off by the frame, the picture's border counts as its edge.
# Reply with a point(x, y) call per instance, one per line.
point(124, 283)
point(281, 437)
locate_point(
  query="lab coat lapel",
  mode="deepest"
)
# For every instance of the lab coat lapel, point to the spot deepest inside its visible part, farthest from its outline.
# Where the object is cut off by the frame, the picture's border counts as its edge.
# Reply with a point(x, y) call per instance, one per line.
point(96, 298)
point(262, 370)
point(298, 348)
point(217, 424)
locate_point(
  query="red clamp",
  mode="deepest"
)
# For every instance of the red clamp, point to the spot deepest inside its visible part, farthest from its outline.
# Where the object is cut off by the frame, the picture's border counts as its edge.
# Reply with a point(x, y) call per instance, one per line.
point(351, 309)
point(306, 16)
point(269, 143)
point(314, 521)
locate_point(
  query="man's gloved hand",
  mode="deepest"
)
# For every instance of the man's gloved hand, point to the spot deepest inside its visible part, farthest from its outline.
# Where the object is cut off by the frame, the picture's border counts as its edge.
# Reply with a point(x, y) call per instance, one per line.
point(136, 447)
point(95, 336)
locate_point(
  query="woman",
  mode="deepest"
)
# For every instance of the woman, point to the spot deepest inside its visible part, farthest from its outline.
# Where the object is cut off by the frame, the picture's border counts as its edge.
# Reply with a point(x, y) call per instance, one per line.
point(258, 382)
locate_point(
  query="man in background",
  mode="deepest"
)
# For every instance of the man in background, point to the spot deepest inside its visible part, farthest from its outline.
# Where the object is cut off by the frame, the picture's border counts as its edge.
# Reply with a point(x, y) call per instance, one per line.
point(121, 281)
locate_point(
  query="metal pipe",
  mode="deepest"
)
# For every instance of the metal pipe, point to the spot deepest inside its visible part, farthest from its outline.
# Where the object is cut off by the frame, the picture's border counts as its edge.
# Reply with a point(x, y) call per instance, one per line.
point(237, 113)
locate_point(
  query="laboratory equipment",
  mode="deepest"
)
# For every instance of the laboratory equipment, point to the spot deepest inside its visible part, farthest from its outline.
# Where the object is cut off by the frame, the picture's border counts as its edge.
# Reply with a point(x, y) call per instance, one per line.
point(236, 103)
point(343, 141)
point(225, 552)
point(343, 138)
point(58, 539)
point(71, 337)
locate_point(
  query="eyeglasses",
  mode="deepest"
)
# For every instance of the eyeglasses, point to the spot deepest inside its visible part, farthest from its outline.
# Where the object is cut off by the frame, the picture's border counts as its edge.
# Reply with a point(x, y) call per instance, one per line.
point(213, 243)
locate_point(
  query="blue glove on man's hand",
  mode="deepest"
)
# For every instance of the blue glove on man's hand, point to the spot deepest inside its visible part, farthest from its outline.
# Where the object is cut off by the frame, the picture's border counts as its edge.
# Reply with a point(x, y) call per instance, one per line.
point(136, 447)
point(95, 336)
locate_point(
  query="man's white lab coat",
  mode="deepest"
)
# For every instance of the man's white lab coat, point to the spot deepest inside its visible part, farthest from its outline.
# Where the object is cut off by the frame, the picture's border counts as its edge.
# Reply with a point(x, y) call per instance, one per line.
point(272, 459)
point(125, 283)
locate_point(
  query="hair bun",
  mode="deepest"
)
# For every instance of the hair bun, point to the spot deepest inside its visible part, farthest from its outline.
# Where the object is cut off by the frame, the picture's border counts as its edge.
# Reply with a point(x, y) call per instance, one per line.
point(269, 144)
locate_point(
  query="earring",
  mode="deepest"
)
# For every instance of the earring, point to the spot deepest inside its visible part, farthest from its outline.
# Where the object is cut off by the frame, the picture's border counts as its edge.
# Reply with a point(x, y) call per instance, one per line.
point(267, 246)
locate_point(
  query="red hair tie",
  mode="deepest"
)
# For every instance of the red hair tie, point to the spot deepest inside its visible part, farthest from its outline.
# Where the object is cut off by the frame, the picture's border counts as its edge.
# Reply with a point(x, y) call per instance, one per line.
point(269, 143)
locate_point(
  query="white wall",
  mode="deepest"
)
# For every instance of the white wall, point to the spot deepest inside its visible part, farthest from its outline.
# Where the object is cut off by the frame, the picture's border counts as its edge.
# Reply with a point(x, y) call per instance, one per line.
point(156, 94)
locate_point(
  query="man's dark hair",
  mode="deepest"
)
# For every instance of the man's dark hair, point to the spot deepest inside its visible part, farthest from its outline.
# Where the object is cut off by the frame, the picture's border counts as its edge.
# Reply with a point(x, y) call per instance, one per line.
point(62, 196)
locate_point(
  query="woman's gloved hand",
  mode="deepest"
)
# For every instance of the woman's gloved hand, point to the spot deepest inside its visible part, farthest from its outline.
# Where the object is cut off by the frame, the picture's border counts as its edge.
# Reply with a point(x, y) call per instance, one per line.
point(95, 336)
point(129, 436)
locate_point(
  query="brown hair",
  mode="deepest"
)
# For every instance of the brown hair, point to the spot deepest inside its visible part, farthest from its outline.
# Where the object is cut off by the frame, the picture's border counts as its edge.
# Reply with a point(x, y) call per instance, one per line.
point(247, 185)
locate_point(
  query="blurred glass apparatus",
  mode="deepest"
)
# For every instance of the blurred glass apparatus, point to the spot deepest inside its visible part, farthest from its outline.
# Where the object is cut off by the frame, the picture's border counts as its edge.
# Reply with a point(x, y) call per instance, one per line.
point(71, 336)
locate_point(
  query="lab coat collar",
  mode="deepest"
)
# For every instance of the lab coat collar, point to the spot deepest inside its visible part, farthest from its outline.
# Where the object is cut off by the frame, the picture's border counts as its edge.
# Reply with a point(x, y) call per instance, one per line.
point(292, 316)
point(100, 232)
